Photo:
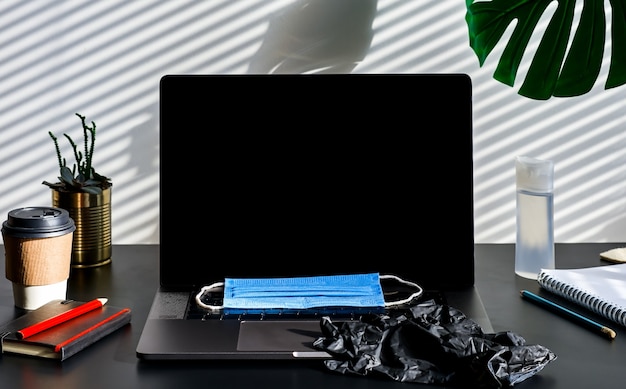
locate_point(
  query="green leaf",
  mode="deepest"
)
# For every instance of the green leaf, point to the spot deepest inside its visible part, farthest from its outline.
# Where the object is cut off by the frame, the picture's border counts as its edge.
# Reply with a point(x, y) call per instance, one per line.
point(617, 69)
point(66, 174)
point(578, 76)
point(554, 70)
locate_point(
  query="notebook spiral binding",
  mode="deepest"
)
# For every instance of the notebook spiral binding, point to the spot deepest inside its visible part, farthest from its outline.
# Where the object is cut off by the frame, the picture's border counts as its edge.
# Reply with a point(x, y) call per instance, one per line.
point(592, 302)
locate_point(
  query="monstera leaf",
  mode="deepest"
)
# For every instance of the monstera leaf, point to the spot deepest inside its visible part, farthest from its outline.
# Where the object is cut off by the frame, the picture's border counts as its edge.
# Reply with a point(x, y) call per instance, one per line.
point(555, 70)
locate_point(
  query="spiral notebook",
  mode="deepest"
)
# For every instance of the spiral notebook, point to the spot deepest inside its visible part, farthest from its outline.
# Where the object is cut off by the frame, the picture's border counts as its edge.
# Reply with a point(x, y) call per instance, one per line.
point(601, 289)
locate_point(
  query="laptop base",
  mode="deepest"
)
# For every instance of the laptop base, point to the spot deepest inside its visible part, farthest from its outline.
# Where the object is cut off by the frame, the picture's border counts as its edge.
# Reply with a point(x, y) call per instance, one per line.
point(258, 339)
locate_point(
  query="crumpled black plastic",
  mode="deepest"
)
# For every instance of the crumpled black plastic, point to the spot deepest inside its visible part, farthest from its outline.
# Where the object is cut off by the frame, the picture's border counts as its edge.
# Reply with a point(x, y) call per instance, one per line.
point(430, 343)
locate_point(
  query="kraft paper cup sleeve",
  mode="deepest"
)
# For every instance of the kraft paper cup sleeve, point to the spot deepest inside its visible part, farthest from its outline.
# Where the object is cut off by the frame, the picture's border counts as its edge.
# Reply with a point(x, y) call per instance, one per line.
point(38, 261)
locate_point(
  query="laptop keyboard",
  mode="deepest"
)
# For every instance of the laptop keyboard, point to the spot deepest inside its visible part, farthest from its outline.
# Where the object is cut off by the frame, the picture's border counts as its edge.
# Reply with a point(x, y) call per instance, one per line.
point(195, 312)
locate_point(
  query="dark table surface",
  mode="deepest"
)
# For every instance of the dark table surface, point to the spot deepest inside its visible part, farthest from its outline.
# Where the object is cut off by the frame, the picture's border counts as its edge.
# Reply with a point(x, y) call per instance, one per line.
point(584, 359)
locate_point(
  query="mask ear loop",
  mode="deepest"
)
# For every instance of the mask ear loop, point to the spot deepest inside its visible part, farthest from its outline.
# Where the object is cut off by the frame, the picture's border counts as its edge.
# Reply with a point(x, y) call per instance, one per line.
point(204, 290)
point(414, 295)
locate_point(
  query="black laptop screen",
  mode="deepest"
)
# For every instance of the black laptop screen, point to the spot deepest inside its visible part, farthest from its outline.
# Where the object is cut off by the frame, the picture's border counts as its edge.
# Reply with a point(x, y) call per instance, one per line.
point(286, 175)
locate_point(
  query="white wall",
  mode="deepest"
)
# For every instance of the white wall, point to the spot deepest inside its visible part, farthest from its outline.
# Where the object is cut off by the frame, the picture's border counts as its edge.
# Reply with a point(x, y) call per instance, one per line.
point(104, 60)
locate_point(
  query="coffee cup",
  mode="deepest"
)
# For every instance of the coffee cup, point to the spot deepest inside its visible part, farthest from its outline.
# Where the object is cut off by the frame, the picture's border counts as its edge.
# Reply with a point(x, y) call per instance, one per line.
point(38, 250)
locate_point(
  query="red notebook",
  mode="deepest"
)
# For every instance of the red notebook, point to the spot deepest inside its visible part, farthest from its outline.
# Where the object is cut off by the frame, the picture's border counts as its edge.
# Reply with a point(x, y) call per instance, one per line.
point(67, 338)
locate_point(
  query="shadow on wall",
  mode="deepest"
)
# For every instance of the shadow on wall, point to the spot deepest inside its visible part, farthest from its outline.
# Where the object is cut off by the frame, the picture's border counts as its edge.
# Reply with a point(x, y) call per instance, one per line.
point(320, 36)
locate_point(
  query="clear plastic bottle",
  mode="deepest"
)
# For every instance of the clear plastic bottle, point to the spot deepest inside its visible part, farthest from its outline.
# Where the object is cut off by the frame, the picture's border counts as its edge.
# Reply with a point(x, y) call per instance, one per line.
point(534, 247)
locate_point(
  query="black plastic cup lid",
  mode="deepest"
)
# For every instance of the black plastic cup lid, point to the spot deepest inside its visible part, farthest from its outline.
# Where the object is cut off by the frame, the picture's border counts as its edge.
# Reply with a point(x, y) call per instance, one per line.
point(38, 222)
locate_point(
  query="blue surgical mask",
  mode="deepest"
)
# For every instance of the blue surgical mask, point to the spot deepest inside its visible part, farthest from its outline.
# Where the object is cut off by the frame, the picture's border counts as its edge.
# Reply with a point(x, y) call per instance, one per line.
point(358, 290)
point(350, 290)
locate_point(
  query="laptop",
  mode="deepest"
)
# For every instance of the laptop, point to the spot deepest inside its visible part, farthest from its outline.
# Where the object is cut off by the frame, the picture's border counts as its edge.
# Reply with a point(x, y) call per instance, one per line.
point(306, 175)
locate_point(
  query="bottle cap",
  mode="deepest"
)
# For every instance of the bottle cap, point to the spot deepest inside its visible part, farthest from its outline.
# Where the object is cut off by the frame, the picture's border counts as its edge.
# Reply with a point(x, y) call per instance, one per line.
point(534, 174)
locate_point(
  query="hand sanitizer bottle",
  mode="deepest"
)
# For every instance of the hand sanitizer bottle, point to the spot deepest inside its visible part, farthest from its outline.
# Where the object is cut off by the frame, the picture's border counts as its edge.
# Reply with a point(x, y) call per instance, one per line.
point(534, 247)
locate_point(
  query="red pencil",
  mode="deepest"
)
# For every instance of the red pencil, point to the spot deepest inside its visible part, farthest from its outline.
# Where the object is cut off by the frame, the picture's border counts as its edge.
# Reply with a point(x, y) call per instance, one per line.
point(61, 318)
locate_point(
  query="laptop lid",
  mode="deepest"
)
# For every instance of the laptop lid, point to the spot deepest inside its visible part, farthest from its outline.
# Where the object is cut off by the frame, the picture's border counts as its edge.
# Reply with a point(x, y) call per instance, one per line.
point(287, 175)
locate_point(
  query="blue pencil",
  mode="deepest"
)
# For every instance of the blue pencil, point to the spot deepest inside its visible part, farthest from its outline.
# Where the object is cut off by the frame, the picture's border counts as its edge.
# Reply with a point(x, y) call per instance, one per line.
point(575, 317)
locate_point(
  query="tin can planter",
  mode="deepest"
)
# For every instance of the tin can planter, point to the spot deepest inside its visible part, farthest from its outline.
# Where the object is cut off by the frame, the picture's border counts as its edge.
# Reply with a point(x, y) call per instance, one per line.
point(91, 213)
